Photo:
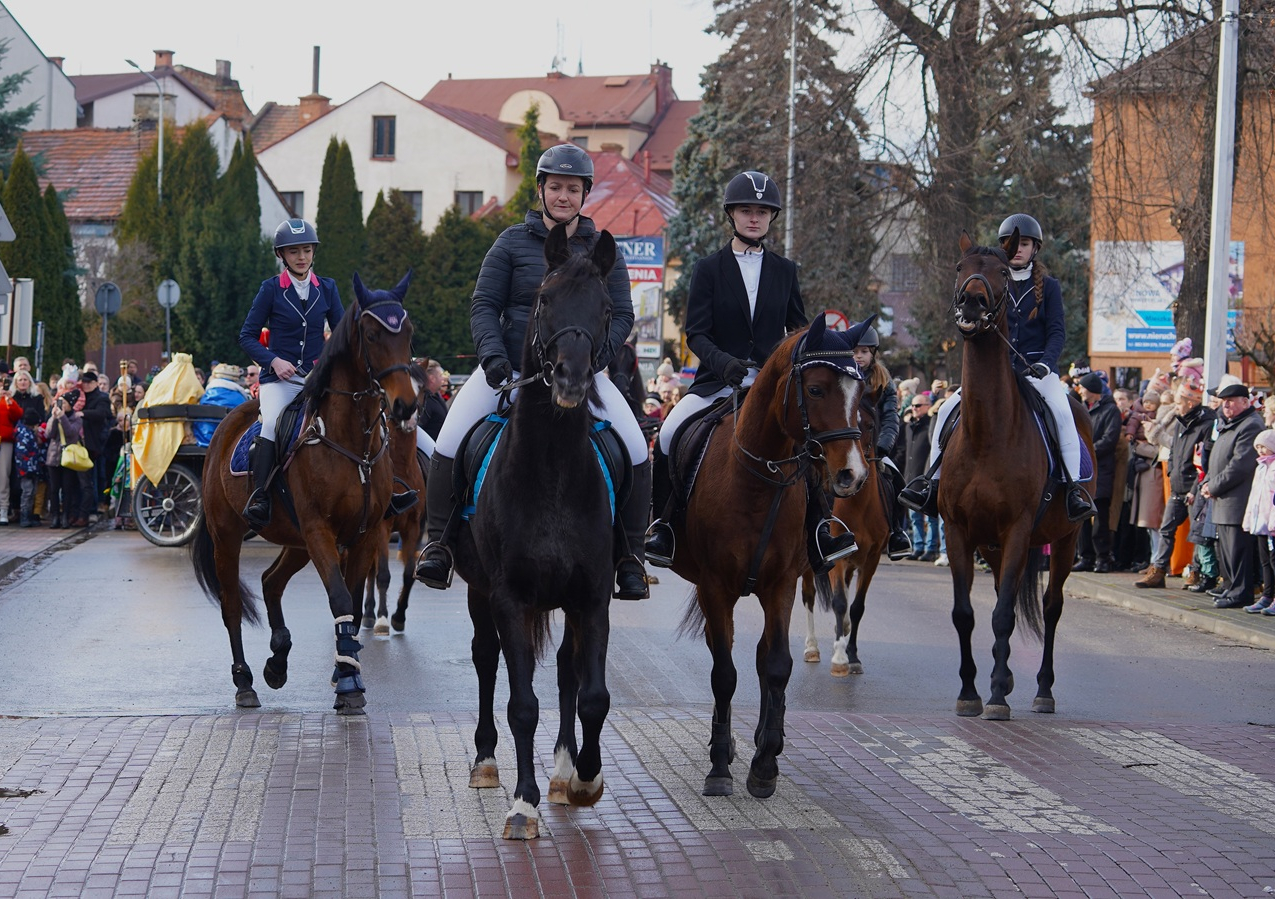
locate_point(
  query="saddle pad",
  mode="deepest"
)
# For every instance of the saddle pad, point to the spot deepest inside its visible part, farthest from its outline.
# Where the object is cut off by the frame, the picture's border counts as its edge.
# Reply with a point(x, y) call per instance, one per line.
point(239, 463)
point(691, 443)
point(1038, 409)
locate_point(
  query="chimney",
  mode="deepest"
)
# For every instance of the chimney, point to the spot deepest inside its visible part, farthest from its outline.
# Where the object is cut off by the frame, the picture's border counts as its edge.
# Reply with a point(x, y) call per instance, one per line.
point(163, 59)
point(223, 71)
point(313, 106)
point(57, 61)
point(646, 165)
point(314, 81)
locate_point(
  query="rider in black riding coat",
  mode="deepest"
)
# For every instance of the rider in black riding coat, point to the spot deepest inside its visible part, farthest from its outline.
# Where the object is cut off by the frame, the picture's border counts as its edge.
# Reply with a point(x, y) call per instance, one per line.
point(503, 300)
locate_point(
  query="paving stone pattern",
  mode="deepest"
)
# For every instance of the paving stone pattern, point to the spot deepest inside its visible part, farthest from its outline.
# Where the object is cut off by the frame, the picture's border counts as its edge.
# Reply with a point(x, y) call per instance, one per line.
point(314, 805)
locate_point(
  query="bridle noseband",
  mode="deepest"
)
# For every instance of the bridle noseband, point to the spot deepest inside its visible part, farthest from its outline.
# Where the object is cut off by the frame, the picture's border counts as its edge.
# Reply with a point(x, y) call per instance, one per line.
point(988, 320)
point(540, 346)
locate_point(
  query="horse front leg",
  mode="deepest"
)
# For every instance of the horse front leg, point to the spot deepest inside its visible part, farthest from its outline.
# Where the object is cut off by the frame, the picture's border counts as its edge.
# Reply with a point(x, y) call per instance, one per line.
point(774, 668)
point(808, 600)
point(1012, 568)
point(1061, 555)
point(381, 626)
point(226, 562)
point(347, 680)
point(593, 701)
point(961, 562)
point(841, 662)
point(565, 749)
point(719, 634)
point(523, 820)
point(273, 582)
point(485, 652)
point(408, 537)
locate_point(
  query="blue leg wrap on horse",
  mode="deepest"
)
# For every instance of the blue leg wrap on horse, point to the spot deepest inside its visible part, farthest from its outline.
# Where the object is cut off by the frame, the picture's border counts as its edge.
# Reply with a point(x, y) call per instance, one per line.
point(345, 676)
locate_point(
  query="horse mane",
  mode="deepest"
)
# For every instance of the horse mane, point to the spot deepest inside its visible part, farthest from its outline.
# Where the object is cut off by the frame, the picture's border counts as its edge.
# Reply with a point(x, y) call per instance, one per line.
point(337, 347)
point(988, 251)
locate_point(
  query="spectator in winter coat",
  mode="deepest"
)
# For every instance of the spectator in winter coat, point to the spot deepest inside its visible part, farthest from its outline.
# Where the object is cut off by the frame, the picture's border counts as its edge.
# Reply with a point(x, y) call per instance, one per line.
point(10, 415)
point(63, 427)
point(98, 420)
point(1259, 517)
point(916, 456)
point(1229, 481)
point(1095, 532)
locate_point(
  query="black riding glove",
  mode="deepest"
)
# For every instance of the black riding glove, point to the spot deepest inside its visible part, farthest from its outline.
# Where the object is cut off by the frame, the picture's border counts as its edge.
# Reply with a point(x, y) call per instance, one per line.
point(497, 371)
point(734, 372)
point(1038, 370)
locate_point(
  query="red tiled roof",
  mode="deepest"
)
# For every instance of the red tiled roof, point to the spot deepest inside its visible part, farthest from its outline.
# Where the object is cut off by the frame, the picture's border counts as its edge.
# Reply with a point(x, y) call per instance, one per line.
point(96, 166)
point(583, 100)
point(92, 87)
point(669, 133)
point(227, 95)
point(486, 127)
point(273, 123)
point(624, 201)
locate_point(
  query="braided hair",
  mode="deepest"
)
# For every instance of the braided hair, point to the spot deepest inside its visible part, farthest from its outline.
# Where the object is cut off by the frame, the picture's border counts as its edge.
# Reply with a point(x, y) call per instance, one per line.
point(1039, 274)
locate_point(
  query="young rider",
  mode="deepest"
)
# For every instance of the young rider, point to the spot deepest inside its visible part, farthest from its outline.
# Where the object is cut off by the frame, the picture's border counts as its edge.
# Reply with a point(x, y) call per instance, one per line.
point(503, 299)
point(882, 392)
point(1036, 332)
point(743, 301)
point(294, 305)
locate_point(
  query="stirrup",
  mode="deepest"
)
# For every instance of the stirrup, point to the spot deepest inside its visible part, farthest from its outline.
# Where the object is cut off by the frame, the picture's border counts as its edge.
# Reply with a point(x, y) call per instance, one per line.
point(401, 502)
point(644, 593)
point(257, 512)
point(1075, 512)
point(899, 553)
point(830, 548)
point(661, 544)
point(439, 580)
point(918, 495)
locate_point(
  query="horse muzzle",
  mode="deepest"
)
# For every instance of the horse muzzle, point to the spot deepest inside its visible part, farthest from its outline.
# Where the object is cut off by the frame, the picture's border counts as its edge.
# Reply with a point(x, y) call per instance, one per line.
point(402, 412)
point(848, 481)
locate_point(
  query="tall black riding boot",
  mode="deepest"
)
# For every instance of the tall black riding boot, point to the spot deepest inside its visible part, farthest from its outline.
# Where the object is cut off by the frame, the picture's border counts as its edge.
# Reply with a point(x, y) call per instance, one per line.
point(257, 512)
point(899, 545)
point(630, 575)
point(1079, 505)
point(434, 568)
point(660, 542)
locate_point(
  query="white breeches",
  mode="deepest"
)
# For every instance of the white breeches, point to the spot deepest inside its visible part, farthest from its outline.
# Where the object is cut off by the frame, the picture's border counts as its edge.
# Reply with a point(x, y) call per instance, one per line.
point(477, 400)
point(274, 397)
point(1054, 392)
point(424, 442)
point(689, 405)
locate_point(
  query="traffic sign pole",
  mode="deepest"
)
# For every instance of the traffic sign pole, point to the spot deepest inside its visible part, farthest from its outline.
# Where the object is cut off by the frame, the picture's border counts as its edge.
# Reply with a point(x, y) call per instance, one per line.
point(168, 294)
point(107, 301)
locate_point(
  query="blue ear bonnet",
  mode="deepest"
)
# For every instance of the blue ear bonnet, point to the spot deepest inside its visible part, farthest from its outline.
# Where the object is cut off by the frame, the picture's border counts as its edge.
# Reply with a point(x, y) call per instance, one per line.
point(834, 349)
point(386, 306)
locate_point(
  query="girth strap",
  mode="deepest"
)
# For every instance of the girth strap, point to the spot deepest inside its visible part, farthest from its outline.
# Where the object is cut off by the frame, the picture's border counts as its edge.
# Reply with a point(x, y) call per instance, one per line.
point(754, 568)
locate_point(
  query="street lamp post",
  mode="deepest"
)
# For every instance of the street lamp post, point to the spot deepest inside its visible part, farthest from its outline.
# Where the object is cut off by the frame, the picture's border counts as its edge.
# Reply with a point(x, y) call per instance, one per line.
point(159, 87)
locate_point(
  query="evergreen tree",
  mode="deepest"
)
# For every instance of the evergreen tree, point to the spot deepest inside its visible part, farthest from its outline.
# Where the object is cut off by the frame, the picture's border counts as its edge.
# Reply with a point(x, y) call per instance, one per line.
point(34, 253)
point(141, 219)
point(440, 297)
point(394, 242)
point(527, 195)
point(339, 221)
point(65, 319)
point(190, 184)
point(12, 121)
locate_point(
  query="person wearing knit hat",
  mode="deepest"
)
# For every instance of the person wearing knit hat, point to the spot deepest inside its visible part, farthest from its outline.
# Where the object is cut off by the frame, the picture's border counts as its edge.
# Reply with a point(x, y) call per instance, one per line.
point(1094, 548)
point(1259, 518)
point(1092, 383)
point(1226, 485)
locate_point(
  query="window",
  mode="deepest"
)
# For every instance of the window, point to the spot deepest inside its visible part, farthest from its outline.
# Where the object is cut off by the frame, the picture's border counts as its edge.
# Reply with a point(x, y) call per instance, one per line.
point(413, 197)
point(383, 137)
point(469, 201)
point(295, 201)
point(905, 274)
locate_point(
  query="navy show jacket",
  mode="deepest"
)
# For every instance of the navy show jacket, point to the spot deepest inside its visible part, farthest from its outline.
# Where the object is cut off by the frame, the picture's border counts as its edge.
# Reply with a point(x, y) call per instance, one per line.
point(296, 327)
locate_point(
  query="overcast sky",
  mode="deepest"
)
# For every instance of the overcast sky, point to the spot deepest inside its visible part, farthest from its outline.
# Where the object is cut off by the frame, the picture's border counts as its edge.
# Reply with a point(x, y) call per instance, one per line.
point(410, 45)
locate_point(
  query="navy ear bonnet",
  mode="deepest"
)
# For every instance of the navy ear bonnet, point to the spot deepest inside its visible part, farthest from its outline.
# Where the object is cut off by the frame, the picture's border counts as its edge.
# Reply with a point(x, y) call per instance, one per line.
point(832, 348)
point(386, 306)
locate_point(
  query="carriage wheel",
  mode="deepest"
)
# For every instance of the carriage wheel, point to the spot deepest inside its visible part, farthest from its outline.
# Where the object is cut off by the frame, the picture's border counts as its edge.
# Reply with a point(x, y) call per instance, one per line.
point(167, 513)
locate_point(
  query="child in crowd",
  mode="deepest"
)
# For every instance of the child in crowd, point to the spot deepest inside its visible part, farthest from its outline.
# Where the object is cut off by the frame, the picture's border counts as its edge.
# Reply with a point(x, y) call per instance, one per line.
point(28, 462)
point(1259, 518)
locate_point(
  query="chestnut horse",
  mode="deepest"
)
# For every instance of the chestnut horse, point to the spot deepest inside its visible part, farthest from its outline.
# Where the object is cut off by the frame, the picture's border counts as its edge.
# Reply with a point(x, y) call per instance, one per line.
point(745, 525)
point(992, 495)
point(340, 479)
point(866, 513)
point(541, 538)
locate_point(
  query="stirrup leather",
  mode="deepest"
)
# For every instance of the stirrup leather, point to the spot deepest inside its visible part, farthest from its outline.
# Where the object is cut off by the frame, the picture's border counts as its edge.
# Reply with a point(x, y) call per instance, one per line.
point(830, 548)
point(435, 582)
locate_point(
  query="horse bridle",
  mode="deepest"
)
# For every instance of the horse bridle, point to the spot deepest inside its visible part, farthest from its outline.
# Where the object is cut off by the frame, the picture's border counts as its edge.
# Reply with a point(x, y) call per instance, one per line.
point(987, 320)
point(540, 346)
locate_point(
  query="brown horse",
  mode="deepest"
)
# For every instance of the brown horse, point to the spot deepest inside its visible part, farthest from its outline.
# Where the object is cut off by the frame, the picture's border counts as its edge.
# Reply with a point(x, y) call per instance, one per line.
point(745, 524)
point(992, 495)
point(866, 514)
point(408, 476)
point(340, 479)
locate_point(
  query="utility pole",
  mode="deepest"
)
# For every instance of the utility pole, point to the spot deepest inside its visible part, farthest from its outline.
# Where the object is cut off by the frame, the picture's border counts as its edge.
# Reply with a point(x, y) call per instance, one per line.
point(1217, 304)
point(792, 133)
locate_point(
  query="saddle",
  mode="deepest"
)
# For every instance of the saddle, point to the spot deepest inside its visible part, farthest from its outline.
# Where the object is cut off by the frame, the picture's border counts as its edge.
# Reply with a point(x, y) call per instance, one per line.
point(289, 423)
point(690, 444)
point(474, 459)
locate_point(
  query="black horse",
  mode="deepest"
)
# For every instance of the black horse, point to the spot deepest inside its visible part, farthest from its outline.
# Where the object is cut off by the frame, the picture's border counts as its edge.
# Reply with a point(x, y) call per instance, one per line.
point(541, 539)
point(627, 377)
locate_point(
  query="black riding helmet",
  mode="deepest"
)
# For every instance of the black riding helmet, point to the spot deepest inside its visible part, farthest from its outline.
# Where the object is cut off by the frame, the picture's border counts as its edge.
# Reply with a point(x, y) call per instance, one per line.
point(1027, 227)
point(293, 233)
point(751, 188)
point(564, 159)
point(870, 337)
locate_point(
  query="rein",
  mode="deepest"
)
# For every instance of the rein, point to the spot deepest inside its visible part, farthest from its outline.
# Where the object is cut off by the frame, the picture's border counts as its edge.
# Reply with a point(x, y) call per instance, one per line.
point(988, 320)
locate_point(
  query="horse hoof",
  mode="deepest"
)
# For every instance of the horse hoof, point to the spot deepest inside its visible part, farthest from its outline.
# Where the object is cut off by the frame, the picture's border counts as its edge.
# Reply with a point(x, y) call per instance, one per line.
point(719, 785)
point(996, 712)
point(350, 703)
point(969, 708)
point(399, 622)
point(761, 787)
point(247, 699)
point(520, 827)
point(382, 628)
point(812, 655)
point(856, 668)
point(1044, 704)
point(367, 622)
point(840, 669)
point(584, 792)
point(274, 677)
point(557, 791)
point(484, 776)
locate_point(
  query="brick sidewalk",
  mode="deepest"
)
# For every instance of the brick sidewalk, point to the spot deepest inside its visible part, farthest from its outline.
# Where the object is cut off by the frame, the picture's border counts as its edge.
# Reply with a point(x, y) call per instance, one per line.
point(301, 805)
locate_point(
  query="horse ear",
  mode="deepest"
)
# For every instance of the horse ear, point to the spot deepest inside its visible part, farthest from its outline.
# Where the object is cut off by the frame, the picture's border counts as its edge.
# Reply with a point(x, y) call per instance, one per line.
point(604, 254)
point(1010, 244)
point(814, 335)
point(400, 290)
point(967, 243)
point(360, 292)
point(557, 248)
point(856, 332)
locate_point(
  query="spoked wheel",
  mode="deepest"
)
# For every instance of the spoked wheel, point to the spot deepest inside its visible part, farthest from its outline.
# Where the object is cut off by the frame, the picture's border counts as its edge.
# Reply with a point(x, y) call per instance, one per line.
point(167, 513)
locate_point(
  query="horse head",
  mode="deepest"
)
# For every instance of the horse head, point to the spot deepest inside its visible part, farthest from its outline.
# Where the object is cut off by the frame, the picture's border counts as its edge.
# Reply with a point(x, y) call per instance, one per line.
point(982, 286)
point(829, 387)
point(385, 343)
point(572, 319)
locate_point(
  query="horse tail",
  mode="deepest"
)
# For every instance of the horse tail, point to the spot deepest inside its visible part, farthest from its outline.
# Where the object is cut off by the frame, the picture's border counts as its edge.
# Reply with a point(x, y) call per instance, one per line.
point(692, 623)
point(823, 590)
point(204, 559)
point(1027, 601)
point(539, 631)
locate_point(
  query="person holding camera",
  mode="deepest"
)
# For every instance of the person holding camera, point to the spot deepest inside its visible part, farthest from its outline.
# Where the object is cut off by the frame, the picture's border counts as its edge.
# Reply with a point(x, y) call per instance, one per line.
point(65, 426)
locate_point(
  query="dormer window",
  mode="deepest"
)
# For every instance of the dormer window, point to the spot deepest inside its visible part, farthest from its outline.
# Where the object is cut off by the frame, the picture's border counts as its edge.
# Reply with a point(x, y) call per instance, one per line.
point(383, 137)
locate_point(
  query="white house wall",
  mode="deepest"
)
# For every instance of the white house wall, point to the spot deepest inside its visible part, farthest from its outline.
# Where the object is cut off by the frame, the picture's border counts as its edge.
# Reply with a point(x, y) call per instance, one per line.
point(117, 110)
point(433, 155)
point(47, 86)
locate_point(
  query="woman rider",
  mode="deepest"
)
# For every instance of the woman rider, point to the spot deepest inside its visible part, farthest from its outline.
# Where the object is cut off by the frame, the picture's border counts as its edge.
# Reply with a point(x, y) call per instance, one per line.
point(743, 301)
point(1036, 332)
point(503, 299)
point(294, 306)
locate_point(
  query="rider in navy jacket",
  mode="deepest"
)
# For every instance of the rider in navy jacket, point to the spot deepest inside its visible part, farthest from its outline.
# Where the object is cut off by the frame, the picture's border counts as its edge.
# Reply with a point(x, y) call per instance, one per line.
point(295, 305)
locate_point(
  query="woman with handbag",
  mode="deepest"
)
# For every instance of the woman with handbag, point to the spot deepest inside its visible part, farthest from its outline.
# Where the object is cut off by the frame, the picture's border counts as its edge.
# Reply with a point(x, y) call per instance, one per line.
point(64, 428)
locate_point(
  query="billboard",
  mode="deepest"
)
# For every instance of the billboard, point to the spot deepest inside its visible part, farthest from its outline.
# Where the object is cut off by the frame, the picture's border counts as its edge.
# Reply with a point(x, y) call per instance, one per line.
point(1135, 285)
point(644, 257)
